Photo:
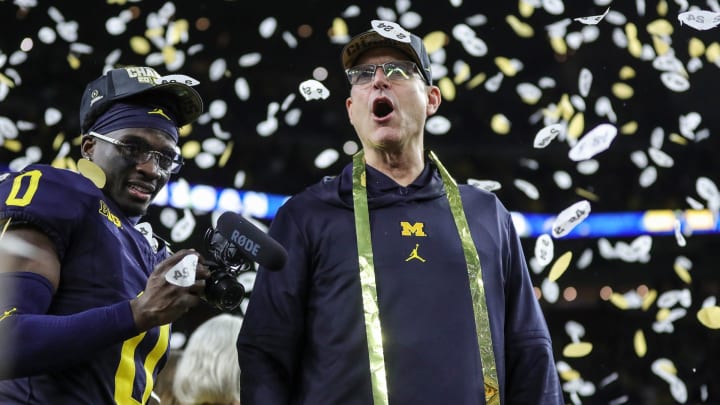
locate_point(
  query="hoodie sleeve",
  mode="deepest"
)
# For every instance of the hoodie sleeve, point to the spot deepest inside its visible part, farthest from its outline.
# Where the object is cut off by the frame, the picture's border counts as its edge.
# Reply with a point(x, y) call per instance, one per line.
point(269, 342)
point(531, 374)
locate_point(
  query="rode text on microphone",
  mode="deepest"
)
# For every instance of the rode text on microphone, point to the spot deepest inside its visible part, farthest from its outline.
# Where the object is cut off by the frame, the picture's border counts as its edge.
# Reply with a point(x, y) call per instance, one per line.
point(233, 246)
point(222, 289)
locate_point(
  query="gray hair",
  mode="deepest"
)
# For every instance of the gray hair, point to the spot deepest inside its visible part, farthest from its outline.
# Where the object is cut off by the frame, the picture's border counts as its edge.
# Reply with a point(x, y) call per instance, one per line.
point(208, 371)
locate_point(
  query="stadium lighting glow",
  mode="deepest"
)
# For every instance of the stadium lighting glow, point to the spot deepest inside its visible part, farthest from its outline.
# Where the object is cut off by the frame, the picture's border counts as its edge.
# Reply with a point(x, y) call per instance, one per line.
point(260, 205)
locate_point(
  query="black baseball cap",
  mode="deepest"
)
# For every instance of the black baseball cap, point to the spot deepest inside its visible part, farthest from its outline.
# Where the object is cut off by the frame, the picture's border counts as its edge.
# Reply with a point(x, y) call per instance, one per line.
point(415, 49)
point(142, 83)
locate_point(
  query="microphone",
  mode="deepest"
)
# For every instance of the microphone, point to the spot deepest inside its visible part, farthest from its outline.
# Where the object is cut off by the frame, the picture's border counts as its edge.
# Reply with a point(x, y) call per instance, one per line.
point(250, 241)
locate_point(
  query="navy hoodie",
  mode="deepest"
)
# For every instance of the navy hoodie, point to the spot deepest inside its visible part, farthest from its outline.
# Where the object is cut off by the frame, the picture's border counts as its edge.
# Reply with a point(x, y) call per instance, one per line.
point(303, 339)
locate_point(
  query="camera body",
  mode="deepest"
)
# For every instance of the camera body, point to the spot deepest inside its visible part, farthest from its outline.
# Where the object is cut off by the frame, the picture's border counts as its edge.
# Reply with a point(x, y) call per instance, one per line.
point(226, 263)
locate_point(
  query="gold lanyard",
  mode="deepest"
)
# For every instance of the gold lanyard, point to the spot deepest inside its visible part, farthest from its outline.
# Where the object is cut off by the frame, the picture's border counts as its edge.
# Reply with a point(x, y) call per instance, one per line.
point(373, 327)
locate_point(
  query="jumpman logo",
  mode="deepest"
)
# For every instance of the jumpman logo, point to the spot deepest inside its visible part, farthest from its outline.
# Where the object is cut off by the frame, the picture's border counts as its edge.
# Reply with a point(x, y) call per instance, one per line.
point(159, 111)
point(414, 255)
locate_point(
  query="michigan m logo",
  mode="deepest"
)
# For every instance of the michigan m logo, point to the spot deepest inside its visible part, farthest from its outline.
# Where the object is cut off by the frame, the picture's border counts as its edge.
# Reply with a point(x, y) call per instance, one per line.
point(414, 229)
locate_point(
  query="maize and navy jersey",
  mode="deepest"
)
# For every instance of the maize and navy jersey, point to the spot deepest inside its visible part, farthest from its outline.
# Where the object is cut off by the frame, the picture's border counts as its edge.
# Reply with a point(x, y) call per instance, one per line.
point(303, 339)
point(104, 260)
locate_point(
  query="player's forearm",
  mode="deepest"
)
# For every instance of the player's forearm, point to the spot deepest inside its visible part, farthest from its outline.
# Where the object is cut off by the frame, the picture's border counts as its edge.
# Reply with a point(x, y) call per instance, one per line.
point(34, 342)
point(41, 343)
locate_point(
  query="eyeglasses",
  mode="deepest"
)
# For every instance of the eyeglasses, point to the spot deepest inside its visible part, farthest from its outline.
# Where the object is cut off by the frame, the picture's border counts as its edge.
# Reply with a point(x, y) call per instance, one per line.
point(394, 70)
point(141, 153)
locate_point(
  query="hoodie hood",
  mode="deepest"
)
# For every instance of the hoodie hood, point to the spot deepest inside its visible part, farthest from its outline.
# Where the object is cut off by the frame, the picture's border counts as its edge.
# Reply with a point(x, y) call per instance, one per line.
point(381, 190)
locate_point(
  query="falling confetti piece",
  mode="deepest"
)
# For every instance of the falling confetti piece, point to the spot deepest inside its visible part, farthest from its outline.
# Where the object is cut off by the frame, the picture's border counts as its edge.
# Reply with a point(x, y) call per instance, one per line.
point(660, 28)
point(52, 116)
point(569, 218)
point(509, 67)
point(619, 301)
point(562, 179)
point(267, 27)
point(665, 369)
point(522, 29)
point(622, 91)
point(313, 90)
point(529, 93)
point(592, 20)
point(326, 158)
point(184, 227)
point(712, 53)
point(588, 167)
point(547, 134)
point(594, 142)
point(660, 158)
point(675, 81)
point(665, 318)
point(639, 343)
point(648, 299)
point(140, 45)
point(709, 317)
point(500, 124)
point(700, 19)
point(447, 88)
point(576, 350)
point(570, 375)
point(493, 84)
point(528, 188)
point(242, 88)
point(487, 185)
point(627, 73)
point(391, 30)
point(604, 108)
point(183, 273)
point(550, 290)
point(178, 78)
point(586, 194)
point(682, 272)
point(544, 249)
point(629, 128)
point(190, 149)
point(585, 81)
point(560, 266)
point(434, 41)
point(462, 72)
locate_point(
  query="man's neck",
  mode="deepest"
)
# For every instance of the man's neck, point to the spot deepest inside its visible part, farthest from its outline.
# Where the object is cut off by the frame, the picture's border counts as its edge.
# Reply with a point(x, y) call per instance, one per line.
point(403, 167)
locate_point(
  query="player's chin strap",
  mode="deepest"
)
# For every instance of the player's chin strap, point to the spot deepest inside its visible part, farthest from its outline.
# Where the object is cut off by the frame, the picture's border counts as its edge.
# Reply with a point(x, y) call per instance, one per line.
point(373, 327)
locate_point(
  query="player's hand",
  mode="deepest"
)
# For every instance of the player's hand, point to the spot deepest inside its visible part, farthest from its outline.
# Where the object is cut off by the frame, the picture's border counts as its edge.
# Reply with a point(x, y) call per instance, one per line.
point(170, 291)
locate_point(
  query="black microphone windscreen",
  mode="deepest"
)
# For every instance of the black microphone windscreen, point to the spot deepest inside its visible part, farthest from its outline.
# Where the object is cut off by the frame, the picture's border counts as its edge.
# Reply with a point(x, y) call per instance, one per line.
point(254, 244)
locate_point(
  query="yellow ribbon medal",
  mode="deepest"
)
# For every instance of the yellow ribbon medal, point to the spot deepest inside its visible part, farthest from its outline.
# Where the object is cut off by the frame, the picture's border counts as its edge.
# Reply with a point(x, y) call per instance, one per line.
point(373, 328)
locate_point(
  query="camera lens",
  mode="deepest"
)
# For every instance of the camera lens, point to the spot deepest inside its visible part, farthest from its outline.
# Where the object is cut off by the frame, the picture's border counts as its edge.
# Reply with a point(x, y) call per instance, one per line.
point(224, 291)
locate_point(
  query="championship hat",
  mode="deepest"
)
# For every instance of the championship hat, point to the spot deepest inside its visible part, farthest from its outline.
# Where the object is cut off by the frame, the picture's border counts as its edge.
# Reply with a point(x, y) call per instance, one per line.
point(172, 92)
point(388, 34)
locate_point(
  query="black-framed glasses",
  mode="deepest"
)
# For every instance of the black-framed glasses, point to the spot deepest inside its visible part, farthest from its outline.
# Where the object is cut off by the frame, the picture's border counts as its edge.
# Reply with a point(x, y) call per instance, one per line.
point(141, 153)
point(393, 70)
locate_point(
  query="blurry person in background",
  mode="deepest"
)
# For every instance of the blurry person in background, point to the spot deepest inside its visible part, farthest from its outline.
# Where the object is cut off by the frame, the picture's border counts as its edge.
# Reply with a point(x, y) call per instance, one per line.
point(90, 293)
point(400, 287)
point(208, 371)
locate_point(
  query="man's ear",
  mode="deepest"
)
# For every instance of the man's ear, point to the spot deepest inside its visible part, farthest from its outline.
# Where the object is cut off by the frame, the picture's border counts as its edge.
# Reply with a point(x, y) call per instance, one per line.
point(434, 100)
point(348, 105)
point(87, 146)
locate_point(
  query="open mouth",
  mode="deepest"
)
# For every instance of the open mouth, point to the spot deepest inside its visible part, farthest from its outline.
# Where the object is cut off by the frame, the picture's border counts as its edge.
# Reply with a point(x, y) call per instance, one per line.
point(382, 107)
